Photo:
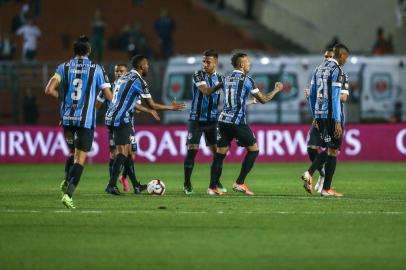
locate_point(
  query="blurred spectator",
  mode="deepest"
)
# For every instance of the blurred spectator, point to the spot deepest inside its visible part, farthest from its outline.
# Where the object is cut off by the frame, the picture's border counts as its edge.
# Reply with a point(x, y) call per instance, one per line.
point(132, 47)
point(390, 48)
point(98, 28)
point(30, 108)
point(135, 47)
point(7, 48)
point(19, 20)
point(136, 33)
point(380, 43)
point(164, 27)
point(30, 33)
point(401, 13)
point(124, 37)
point(335, 40)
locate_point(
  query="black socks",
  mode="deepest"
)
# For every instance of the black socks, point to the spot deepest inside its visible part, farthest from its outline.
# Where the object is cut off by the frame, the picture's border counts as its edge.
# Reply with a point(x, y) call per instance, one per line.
point(129, 167)
point(247, 165)
point(68, 165)
point(117, 167)
point(74, 178)
point(318, 162)
point(330, 168)
point(216, 169)
point(188, 165)
point(111, 162)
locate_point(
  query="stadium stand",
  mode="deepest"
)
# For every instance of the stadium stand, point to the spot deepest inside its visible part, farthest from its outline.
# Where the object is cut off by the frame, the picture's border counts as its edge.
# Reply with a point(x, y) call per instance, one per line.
point(300, 22)
point(202, 30)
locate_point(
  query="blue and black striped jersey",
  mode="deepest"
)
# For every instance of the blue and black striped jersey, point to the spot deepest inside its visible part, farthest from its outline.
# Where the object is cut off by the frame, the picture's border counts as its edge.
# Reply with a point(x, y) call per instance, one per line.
point(345, 90)
point(127, 91)
point(325, 90)
point(80, 79)
point(205, 107)
point(237, 87)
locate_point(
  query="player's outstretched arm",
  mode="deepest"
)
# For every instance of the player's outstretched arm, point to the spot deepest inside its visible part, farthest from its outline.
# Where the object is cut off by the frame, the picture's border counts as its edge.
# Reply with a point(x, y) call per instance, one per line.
point(173, 107)
point(209, 90)
point(98, 105)
point(268, 97)
point(140, 108)
point(51, 88)
point(252, 101)
point(336, 110)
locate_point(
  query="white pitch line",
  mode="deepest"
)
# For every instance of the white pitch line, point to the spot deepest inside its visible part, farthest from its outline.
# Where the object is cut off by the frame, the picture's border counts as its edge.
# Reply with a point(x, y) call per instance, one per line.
point(166, 211)
point(20, 211)
point(91, 211)
point(270, 196)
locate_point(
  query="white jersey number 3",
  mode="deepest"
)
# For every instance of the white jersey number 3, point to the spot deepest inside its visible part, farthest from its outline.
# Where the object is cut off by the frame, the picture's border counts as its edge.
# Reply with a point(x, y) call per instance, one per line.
point(77, 89)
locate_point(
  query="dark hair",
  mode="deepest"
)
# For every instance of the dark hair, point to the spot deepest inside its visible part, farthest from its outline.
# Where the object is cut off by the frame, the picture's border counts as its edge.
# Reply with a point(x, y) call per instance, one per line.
point(340, 47)
point(137, 59)
point(330, 49)
point(81, 46)
point(121, 65)
point(236, 59)
point(211, 52)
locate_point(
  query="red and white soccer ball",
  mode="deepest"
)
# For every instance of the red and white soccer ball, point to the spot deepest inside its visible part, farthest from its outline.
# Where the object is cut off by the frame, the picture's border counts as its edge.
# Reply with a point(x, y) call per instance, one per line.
point(156, 187)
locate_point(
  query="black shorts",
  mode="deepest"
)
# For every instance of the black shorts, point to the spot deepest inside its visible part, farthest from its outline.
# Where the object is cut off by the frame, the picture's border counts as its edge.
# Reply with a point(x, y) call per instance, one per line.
point(314, 137)
point(242, 133)
point(197, 128)
point(122, 135)
point(326, 129)
point(112, 145)
point(78, 137)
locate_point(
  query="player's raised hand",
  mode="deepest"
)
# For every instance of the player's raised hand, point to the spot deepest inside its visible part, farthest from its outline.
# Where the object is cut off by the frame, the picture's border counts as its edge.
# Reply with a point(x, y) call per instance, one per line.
point(338, 130)
point(307, 91)
point(278, 87)
point(155, 115)
point(178, 106)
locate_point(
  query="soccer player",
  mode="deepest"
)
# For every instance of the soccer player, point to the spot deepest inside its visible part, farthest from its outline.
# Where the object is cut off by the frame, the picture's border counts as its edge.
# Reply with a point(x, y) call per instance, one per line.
point(314, 144)
point(127, 91)
point(203, 114)
point(326, 108)
point(79, 78)
point(232, 122)
point(120, 70)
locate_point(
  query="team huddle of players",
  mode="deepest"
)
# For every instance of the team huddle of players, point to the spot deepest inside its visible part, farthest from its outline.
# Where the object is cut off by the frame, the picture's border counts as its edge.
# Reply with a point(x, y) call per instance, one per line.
point(83, 86)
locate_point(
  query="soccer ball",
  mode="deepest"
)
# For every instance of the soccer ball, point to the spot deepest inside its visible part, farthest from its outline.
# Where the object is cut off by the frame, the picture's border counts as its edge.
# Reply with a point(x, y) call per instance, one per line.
point(156, 187)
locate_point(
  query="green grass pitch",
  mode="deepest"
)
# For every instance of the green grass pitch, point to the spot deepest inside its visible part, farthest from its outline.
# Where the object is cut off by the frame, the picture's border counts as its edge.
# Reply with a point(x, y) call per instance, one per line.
point(282, 227)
